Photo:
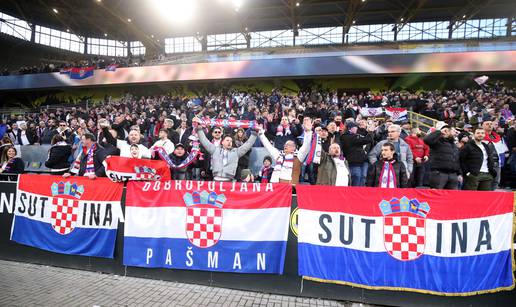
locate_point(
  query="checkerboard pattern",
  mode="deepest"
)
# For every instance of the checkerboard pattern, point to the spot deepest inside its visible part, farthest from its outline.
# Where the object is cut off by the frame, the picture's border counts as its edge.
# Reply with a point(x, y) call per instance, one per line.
point(203, 226)
point(404, 237)
point(64, 215)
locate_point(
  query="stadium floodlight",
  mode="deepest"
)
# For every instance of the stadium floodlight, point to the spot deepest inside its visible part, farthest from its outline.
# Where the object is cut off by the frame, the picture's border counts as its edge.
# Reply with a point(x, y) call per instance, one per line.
point(297, 3)
point(129, 19)
point(237, 4)
point(55, 11)
point(176, 11)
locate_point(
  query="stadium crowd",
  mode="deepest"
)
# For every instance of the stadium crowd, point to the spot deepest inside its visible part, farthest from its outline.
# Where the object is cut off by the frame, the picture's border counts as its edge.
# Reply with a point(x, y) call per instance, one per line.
point(472, 146)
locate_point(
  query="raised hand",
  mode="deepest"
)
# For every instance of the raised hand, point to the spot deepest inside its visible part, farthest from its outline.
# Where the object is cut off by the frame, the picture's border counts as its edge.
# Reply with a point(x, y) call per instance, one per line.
point(307, 124)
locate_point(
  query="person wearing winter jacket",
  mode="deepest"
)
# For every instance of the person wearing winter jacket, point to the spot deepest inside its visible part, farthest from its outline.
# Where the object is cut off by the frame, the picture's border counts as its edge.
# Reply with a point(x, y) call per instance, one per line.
point(388, 171)
point(353, 148)
point(421, 153)
point(476, 161)
point(444, 158)
point(58, 155)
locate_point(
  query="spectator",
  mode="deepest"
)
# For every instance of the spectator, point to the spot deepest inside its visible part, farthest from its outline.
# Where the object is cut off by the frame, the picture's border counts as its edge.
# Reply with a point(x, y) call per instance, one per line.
point(420, 152)
point(288, 166)
point(387, 172)
point(476, 161)
point(58, 155)
point(125, 146)
point(168, 124)
point(444, 158)
point(89, 162)
point(498, 149)
point(177, 157)
point(11, 164)
point(265, 173)
point(333, 170)
point(224, 158)
point(284, 131)
point(353, 148)
point(403, 152)
point(47, 133)
point(164, 142)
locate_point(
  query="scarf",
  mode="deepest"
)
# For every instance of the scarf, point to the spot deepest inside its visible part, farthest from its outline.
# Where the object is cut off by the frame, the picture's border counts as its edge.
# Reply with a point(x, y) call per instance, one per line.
point(387, 176)
point(264, 173)
point(314, 154)
point(284, 161)
point(6, 166)
point(283, 130)
point(231, 123)
point(90, 166)
point(192, 156)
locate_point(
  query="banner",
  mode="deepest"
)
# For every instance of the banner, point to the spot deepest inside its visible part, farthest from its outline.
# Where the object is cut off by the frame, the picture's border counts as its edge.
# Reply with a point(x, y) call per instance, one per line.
point(82, 72)
point(75, 215)
point(123, 169)
point(397, 114)
point(211, 226)
point(371, 112)
point(432, 241)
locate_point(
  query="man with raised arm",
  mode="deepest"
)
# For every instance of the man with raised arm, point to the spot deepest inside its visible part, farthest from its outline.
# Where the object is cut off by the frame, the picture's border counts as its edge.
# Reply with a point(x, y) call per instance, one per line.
point(288, 163)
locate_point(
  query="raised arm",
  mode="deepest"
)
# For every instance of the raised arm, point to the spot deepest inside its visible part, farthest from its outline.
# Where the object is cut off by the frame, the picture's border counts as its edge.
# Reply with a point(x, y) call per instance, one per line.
point(267, 144)
point(307, 139)
point(242, 150)
point(204, 141)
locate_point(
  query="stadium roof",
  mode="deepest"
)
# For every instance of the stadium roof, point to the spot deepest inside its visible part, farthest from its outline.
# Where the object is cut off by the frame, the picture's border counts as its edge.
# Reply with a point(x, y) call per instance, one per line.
point(139, 19)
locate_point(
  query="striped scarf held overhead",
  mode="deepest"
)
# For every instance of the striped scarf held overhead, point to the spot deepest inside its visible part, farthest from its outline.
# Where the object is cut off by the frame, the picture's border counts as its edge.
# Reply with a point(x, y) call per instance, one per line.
point(387, 176)
point(192, 156)
point(231, 123)
point(90, 165)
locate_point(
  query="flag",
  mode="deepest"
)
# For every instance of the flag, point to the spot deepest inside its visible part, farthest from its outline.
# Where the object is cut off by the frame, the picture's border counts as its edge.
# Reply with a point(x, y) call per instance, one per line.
point(406, 239)
point(481, 80)
point(371, 112)
point(211, 226)
point(122, 169)
point(65, 71)
point(111, 67)
point(396, 114)
point(82, 73)
point(75, 215)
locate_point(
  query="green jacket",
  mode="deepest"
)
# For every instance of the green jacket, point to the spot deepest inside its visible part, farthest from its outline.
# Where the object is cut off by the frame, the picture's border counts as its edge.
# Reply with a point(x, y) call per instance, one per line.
point(327, 171)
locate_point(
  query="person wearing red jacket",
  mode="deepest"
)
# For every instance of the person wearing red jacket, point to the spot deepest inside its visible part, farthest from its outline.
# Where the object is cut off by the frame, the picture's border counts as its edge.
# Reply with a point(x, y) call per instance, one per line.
point(421, 152)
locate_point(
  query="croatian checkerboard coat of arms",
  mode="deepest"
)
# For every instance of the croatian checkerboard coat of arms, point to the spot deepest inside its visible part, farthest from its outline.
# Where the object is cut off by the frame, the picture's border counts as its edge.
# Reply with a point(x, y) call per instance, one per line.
point(404, 227)
point(65, 206)
point(204, 217)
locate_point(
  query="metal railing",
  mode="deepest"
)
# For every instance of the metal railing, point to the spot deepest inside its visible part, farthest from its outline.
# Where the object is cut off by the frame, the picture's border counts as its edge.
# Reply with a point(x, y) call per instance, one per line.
point(420, 121)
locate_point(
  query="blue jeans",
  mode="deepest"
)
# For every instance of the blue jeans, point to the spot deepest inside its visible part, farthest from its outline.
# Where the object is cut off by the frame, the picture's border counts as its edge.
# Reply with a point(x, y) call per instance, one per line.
point(358, 174)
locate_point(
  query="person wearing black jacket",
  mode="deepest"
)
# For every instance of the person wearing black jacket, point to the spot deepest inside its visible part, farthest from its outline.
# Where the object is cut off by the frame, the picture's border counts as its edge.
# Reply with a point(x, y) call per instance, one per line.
point(352, 145)
point(476, 162)
point(387, 172)
point(58, 155)
point(89, 162)
point(444, 158)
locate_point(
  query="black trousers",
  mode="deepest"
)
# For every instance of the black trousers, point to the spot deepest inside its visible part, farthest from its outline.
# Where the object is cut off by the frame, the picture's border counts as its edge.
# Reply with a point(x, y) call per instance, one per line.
point(442, 180)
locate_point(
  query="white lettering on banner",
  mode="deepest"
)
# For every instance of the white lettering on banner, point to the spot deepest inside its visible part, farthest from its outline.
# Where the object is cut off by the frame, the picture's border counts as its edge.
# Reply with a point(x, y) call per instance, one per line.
point(149, 255)
point(7, 202)
point(213, 259)
point(446, 238)
point(237, 263)
point(168, 261)
point(189, 254)
point(190, 185)
point(260, 261)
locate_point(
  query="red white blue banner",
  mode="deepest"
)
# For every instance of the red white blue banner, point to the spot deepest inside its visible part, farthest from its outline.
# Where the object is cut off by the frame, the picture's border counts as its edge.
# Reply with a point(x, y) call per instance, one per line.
point(211, 226)
point(75, 215)
point(123, 169)
point(432, 241)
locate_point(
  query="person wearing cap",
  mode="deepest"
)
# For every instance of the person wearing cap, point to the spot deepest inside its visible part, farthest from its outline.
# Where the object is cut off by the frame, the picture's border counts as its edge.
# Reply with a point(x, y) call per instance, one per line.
point(353, 148)
point(178, 156)
point(444, 158)
point(265, 173)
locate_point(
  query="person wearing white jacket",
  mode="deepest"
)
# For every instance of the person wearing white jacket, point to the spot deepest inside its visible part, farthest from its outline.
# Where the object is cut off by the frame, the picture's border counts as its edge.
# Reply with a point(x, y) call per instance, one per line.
point(288, 164)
